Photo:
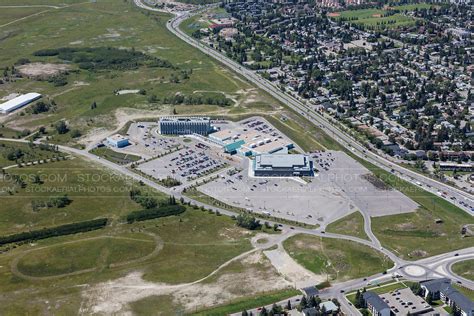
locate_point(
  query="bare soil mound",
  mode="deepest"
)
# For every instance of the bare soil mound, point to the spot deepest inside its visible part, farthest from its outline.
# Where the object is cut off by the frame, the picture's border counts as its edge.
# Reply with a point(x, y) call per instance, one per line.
point(42, 69)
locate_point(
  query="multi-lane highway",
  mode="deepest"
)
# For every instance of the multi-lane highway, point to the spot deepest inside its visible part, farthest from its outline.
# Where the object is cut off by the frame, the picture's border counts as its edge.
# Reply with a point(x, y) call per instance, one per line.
point(425, 268)
point(449, 193)
point(429, 267)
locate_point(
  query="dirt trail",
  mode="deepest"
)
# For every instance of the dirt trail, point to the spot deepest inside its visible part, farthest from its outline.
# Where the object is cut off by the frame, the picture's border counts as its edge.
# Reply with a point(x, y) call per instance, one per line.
point(114, 297)
point(17, 272)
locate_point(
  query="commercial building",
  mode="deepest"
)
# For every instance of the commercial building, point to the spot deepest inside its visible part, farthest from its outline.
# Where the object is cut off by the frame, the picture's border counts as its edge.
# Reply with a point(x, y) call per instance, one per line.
point(118, 141)
point(18, 102)
point(452, 166)
point(282, 165)
point(376, 305)
point(403, 301)
point(441, 289)
point(174, 125)
point(250, 142)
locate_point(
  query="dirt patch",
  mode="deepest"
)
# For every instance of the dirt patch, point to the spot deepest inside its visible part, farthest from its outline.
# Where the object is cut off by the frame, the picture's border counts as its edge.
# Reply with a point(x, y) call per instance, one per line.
point(418, 253)
point(233, 233)
point(113, 297)
point(334, 14)
point(230, 286)
point(42, 70)
point(376, 15)
point(406, 226)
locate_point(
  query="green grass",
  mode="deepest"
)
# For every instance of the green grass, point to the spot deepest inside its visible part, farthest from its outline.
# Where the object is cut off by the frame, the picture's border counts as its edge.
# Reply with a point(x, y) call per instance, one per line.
point(379, 289)
point(40, 2)
point(155, 305)
point(84, 254)
point(352, 224)
point(249, 303)
point(7, 15)
point(195, 244)
point(104, 24)
point(340, 259)
point(374, 18)
point(416, 235)
point(467, 292)
point(94, 192)
point(448, 309)
point(29, 152)
point(464, 269)
point(114, 156)
point(303, 133)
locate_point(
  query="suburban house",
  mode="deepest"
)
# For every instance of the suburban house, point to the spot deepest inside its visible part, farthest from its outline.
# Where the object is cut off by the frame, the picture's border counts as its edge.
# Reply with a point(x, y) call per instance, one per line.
point(441, 289)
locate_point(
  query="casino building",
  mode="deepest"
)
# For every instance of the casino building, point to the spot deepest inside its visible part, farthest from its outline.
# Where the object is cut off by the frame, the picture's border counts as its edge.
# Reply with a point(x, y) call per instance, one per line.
point(282, 165)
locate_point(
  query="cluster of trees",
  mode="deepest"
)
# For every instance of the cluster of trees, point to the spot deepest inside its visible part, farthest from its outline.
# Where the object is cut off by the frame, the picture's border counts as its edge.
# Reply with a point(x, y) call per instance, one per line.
point(62, 230)
point(197, 99)
point(58, 80)
point(144, 200)
point(42, 107)
point(104, 58)
point(248, 221)
point(59, 201)
point(312, 301)
point(157, 212)
point(170, 182)
point(61, 127)
point(359, 299)
point(14, 154)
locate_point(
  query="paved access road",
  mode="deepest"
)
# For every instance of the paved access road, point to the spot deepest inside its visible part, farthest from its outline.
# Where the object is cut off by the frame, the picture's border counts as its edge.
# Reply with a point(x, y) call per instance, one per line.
point(449, 193)
point(437, 266)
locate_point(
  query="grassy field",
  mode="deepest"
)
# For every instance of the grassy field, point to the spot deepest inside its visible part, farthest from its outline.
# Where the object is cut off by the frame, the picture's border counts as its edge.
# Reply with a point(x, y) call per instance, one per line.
point(12, 152)
point(8, 15)
point(341, 260)
point(155, 305)
point(114, 156)
point(93, 192)
point(194, 244)
point(85, 254)
point(95, 24)
point(465, 269)
point(249, 303)
point(375, 18)
point(352, 224)
point(41, 2)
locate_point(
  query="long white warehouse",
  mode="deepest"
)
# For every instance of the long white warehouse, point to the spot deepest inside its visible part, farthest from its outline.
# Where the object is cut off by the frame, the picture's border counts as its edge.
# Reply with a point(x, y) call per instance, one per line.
point(18, 102)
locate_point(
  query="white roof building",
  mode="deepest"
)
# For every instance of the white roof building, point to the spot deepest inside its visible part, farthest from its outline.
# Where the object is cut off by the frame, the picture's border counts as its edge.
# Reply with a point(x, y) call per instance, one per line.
point(18, 102)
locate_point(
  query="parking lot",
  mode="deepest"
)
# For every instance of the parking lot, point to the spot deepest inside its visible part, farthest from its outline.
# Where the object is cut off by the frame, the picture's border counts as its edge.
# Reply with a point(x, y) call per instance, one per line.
point(340, 187)
point(258, 135)
point(193, 161)
point(147, 142)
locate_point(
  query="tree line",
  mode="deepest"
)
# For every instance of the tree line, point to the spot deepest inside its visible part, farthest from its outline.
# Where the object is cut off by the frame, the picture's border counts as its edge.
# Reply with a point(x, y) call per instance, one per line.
point(104, 58)
point(67, 229)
